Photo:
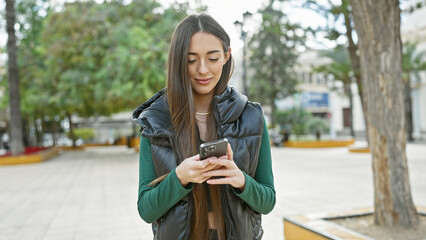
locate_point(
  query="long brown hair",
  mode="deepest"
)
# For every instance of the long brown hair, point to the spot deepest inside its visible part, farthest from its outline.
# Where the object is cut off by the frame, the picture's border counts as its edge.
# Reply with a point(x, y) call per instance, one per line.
point(182, 110)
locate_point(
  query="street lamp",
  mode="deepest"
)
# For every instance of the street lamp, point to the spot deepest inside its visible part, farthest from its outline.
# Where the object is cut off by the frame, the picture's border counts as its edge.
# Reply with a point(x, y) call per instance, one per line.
point(243, 36)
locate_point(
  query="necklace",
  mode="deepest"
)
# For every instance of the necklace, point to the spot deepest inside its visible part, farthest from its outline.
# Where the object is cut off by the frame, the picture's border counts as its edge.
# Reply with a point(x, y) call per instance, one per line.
point(202, 113)
point(200, 121)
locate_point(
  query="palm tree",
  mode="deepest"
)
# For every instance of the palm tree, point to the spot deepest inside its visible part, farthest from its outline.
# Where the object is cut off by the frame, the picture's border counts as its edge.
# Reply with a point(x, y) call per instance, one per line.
point(342, 71)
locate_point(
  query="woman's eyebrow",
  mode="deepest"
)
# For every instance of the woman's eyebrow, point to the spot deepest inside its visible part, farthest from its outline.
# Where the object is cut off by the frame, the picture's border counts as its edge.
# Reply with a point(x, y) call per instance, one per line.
point(209, 52)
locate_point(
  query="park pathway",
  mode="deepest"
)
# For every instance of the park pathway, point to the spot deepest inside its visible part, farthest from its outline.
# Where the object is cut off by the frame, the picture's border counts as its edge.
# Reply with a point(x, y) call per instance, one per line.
point(92, 194)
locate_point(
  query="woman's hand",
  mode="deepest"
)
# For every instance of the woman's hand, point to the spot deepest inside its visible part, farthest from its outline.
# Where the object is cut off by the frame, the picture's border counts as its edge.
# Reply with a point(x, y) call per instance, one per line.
point(192, 169)
point(229, 171)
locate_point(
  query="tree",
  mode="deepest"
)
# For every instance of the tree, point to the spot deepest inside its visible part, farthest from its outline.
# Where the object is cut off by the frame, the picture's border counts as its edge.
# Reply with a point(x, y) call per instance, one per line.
point(335, 13)
point(273, 55)
point(378, 27)
point(31, 62)
point(342, 72)
point(105, 58)
point(91, 59)
point(16, 142)
point(142, 37)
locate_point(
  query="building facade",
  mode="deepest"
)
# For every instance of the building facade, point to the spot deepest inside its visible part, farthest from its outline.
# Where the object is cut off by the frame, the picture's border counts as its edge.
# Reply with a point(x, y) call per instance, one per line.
point(413, 30)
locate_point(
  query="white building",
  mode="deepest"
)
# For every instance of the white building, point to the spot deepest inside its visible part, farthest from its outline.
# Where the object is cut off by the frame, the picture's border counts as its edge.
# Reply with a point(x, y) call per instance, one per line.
point(317, 97)
point(413, 30)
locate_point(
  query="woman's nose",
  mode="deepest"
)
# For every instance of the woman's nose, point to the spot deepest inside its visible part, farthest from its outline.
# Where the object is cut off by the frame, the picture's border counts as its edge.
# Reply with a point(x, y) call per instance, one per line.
point(202, 68)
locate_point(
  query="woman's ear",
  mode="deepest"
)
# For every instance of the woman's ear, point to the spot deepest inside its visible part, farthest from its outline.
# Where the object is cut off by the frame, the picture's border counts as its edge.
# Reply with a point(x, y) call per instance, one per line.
point(227, 56)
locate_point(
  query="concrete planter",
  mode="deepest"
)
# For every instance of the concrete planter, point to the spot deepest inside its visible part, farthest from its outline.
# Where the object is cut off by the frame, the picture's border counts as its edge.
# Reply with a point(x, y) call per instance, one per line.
point(30, 158)
point(97, 144)
point(71, 148)
point(359, 150)
point(319, 144)
point(134, 142)
point(318, 226)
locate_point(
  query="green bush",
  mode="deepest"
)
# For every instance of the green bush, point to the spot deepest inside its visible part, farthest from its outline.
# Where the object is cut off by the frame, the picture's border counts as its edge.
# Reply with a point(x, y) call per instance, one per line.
point(293, 120)
point(85, 134)
point(317, 126)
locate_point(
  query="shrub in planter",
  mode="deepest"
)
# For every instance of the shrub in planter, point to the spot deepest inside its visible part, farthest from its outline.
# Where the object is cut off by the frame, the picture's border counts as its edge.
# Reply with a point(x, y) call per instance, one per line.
point(317, 126)
point(293, 121)
point(85, 134)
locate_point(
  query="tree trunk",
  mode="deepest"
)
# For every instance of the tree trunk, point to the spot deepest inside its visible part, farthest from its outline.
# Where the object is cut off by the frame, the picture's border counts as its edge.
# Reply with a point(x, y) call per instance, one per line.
point(38, 131)
point(378, 27)
point(273, 113)
point(25, 132)
point(348, 91)
point(408, 110)
point(32, 137)
point(71, 129)
point(53, 132)
point(16, 138)
point(273, 96)
point(356, 65)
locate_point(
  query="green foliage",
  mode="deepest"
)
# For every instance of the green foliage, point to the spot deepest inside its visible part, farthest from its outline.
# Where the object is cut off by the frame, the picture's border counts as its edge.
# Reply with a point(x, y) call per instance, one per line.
point(340, 69)
point(410, 8)
point(338, 54)
point(317, 125)
point(412, 61)
point(273, 56)
point(284, 118)
point(85, 134)
point(75, 45)
point(89, 58)
point(334, 13)
point(293, 120)
point(34, 100)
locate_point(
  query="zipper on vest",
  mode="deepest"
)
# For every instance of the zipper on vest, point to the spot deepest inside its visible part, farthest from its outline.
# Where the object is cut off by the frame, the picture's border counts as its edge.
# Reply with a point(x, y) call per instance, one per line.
point(227, 214)
point(188, 219)
point(216, 116)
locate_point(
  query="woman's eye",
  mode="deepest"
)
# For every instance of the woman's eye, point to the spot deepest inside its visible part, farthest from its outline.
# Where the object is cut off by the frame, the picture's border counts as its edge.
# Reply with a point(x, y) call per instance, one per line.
point(191, 61)
point(214, 59)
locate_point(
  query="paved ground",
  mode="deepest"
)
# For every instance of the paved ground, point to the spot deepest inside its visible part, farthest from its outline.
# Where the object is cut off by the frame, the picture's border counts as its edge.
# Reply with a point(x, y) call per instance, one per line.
point(92, 194)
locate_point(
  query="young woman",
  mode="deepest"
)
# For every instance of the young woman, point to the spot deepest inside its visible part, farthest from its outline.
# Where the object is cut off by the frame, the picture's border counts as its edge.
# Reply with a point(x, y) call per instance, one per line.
point(218, 197)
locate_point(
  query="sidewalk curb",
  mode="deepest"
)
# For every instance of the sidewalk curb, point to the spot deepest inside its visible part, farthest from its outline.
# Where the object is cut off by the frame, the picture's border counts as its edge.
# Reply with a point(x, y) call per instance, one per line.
point(319, 144)
point(31, 158)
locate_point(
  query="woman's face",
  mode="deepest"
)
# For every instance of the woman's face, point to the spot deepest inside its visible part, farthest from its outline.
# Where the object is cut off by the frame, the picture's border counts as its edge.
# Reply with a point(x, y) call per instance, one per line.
point(206, 58)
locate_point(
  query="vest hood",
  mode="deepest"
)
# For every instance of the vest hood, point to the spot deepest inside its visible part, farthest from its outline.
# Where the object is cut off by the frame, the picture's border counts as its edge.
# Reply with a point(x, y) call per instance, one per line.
point(229, 105)
point(148, 113)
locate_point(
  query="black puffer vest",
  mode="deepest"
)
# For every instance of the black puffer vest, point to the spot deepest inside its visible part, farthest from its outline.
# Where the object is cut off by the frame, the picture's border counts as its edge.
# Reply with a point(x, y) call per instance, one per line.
point(238, 120)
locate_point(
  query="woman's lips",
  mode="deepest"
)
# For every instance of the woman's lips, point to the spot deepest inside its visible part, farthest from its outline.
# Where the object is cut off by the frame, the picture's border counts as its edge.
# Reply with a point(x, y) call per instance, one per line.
point(203, 81)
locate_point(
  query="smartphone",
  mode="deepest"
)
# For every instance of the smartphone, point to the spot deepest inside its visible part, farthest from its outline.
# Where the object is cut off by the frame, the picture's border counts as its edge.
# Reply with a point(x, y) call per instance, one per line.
point(216, 148)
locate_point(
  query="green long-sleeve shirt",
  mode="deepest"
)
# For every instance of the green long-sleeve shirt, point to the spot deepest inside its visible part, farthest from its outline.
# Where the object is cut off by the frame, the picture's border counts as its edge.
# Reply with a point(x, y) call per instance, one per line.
point(154, 202)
